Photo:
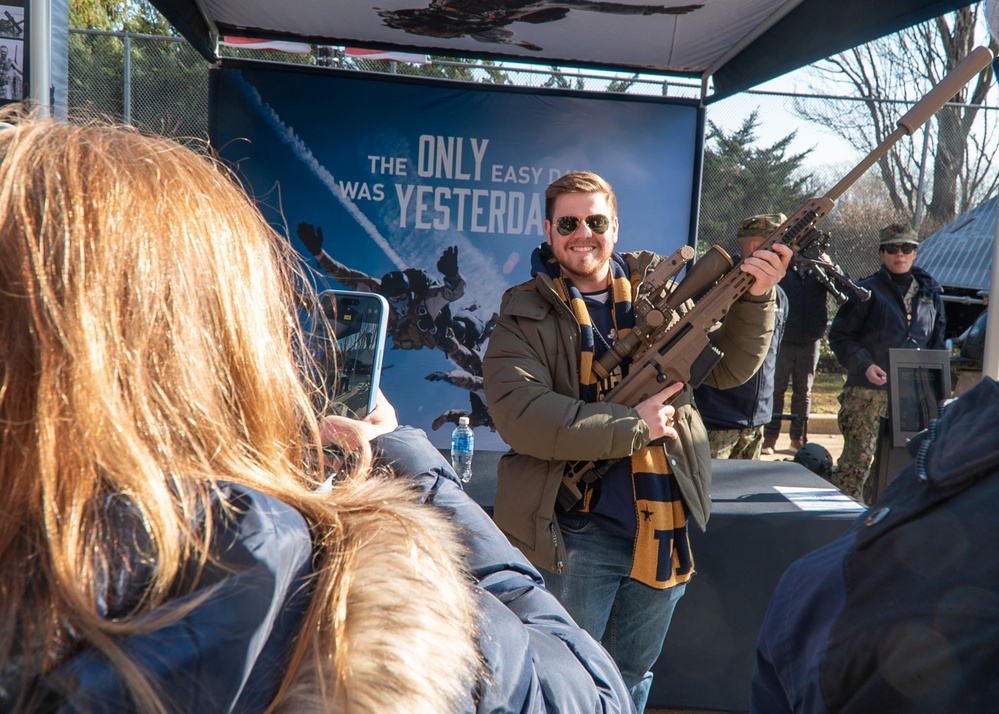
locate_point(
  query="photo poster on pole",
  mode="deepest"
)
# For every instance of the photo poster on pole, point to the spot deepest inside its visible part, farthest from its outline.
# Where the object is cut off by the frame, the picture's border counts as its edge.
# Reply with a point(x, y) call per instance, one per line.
point(13, 51)
point(397, 172)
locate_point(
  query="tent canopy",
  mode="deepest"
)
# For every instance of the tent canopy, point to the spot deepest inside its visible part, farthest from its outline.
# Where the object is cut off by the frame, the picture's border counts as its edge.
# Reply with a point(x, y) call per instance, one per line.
point(734, 44)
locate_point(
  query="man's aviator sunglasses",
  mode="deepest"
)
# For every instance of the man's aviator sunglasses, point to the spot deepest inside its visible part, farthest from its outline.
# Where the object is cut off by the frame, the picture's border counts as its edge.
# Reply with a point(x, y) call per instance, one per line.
point(893, 248)
point(567, 225)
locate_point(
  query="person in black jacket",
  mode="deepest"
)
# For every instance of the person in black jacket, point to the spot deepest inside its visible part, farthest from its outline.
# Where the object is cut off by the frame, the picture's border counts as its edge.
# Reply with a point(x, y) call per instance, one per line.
point(734, 417)
point(170, 541)
point(905, 310)
point(798, 357)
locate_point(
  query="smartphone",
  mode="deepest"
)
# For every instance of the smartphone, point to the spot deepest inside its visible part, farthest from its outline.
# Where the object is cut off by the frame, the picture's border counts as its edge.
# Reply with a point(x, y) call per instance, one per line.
point(349, 344)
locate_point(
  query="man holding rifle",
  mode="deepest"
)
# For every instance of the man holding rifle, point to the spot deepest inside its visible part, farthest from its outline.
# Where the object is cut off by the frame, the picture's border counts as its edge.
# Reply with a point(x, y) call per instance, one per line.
point(620, 557)
point(798, 356)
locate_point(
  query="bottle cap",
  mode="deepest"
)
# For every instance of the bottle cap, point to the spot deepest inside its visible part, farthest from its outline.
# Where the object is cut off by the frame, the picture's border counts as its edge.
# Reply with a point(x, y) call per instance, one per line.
point(463, 421)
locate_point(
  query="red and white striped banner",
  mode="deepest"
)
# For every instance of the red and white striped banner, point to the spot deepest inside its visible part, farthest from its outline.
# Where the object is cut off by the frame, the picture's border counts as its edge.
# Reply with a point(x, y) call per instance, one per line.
point(250, 43)
point(358, 53)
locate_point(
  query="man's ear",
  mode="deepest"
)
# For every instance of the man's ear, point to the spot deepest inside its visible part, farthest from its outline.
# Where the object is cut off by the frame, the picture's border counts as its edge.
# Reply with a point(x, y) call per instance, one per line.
point(548, 232)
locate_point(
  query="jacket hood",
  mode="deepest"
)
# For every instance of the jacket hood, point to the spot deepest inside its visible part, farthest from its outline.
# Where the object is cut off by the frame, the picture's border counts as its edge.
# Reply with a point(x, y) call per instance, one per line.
point(961, 446)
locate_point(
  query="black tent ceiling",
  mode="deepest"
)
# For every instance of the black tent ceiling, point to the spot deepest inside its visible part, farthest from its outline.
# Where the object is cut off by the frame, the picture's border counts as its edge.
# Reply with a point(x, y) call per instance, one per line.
point(734, 43)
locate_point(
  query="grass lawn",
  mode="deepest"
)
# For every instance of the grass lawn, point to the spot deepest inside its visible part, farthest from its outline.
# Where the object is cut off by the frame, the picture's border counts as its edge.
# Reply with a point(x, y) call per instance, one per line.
point(825, 391)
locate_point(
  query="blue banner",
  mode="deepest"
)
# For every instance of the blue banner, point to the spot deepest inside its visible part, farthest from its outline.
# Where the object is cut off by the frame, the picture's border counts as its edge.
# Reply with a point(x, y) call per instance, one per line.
point(391, 180)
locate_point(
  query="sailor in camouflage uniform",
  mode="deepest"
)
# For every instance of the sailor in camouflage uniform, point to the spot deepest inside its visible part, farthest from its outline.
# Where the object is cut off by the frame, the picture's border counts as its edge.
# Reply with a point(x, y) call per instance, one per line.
point(905, 310)
point(735, 417)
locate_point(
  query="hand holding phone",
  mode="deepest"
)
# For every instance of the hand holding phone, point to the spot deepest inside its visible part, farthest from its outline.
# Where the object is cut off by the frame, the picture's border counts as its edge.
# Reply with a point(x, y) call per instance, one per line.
point(349, 342)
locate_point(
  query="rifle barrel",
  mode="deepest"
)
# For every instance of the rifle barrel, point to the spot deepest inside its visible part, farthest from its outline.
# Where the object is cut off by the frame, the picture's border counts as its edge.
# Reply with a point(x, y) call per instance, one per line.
point(681, 347)
point(919, 114)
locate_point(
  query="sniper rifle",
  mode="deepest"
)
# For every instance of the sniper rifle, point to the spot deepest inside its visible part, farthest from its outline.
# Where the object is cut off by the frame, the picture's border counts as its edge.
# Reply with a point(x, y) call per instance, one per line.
point(666, 347)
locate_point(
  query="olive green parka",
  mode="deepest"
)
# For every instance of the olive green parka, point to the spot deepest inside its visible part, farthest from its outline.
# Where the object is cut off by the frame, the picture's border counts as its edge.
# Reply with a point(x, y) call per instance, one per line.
point(531, 370)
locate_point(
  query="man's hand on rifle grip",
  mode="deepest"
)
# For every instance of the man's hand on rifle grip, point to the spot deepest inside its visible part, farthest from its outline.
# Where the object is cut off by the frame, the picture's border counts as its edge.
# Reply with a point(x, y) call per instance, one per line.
point(767, 266)
point(658, 415)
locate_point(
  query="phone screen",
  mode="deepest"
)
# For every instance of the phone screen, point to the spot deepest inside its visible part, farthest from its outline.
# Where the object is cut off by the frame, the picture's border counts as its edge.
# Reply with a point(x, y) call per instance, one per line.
point(349, 345)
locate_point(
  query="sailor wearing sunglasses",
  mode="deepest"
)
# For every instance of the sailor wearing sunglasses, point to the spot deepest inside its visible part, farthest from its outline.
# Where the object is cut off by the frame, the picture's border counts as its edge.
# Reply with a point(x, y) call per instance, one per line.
point(620, 559)
point(905, 310)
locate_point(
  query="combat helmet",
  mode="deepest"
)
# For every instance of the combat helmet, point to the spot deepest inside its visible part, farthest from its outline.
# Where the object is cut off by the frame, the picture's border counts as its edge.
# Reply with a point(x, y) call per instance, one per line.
point(394, 284)
point(816, 459)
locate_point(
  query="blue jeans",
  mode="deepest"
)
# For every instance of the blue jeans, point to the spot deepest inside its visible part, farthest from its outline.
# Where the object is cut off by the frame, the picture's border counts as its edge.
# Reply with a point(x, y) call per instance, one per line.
point(630, 619)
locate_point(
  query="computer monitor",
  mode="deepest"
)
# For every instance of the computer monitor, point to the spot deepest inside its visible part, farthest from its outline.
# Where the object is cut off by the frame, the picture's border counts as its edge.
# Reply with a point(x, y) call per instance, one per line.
point(918, 381)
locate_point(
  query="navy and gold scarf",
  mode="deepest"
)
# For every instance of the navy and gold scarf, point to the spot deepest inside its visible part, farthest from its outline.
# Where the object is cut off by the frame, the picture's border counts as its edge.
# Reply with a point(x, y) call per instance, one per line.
point(662, 555)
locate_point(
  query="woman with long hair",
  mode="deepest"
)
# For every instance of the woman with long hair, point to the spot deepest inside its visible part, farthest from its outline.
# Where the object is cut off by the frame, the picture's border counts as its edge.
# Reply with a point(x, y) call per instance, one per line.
point(163, 543)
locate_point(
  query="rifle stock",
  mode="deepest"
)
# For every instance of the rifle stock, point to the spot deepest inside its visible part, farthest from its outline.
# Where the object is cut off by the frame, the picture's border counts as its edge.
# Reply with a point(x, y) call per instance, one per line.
point(666, 348)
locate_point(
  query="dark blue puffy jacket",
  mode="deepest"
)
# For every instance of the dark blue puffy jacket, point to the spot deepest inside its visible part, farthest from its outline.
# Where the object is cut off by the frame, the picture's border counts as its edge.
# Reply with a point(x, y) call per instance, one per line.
point(901, 614)
point(228, 653)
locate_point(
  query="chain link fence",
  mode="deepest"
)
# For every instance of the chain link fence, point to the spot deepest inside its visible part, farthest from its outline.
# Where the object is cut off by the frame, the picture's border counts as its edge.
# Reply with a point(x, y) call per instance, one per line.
point(160, 84)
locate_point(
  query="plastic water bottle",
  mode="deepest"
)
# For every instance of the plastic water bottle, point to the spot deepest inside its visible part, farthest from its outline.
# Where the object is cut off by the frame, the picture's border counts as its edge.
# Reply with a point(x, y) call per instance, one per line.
point(462, 445)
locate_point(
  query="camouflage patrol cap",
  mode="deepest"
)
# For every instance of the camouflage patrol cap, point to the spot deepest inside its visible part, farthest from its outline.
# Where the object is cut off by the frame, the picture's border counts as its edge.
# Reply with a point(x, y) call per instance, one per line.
point(761, 225)
point(898, 233)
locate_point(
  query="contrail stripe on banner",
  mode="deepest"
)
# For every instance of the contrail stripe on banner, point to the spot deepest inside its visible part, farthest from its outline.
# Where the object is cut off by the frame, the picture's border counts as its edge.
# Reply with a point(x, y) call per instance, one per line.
point(304, 153)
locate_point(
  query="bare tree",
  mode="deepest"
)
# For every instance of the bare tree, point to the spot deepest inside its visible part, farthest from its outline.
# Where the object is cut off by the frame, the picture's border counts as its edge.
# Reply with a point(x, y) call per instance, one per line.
point(854, 223)
point(889, 75)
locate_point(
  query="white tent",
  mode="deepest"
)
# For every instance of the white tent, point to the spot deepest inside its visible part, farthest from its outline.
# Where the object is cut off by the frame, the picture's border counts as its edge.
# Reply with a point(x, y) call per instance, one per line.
point(734, 44)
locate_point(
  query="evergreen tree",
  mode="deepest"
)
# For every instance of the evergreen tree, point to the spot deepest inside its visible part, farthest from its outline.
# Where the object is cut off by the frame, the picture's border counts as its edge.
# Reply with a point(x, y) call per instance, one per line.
point(169, 82)
point(558, 80)
point(741, 179)
point(455, 68)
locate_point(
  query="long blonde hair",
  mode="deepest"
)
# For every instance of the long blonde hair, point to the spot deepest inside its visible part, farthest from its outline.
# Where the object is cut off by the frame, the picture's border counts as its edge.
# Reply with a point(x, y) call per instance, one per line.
point(150, 348)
